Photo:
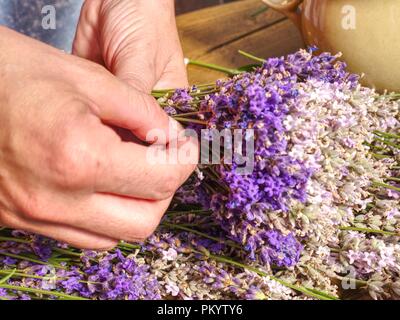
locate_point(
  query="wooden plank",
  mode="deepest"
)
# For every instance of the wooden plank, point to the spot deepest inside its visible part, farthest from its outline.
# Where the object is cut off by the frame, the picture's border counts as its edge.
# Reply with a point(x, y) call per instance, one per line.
point(183, 6)
point(215, 34)
point(205, 29)
point(275, 41)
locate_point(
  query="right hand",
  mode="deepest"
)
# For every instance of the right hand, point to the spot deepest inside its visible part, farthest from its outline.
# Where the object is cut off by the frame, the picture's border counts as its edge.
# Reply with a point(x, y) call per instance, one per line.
point(64, 172)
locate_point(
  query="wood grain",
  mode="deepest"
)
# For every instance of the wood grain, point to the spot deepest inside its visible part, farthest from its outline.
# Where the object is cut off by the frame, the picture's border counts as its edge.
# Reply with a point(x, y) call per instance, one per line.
point(216, 34)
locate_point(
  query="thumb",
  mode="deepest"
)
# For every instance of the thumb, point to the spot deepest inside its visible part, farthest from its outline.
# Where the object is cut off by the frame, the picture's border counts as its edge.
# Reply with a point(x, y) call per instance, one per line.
point(174, 75)
point(119, 104)
point(134, 67)
point(86, 42)
point(138, 69)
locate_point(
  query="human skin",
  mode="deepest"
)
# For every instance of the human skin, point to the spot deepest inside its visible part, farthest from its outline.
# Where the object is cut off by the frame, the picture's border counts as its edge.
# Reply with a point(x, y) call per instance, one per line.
point(64, 171)
point(136, 40)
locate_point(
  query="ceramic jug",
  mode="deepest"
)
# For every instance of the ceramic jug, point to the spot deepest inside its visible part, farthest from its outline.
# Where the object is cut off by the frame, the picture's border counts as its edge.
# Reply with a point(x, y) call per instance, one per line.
point(367, 32)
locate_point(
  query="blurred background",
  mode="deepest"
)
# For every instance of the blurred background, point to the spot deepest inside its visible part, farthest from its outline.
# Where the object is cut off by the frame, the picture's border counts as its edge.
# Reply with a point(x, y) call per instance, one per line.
point(211, 31)
point(25, 17)
point(184, 6)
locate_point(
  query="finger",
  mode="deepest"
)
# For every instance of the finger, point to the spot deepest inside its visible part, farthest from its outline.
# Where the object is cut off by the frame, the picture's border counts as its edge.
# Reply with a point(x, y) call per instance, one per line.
point(145, 69)
point(91, 157)
point(72, 236)
point(146, 172)
point(135, 68)
point(86, 44)
point(117, 103)
point(109, 216)
point(174, 75)
point(117, 217)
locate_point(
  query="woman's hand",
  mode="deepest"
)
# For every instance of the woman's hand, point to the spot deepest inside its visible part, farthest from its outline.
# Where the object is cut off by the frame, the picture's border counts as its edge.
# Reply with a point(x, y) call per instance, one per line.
point(136, 40)
point(64, 172)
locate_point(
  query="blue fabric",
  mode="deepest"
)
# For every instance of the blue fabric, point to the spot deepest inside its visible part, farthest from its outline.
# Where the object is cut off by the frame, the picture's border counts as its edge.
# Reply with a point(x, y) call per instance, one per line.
point(26, 16)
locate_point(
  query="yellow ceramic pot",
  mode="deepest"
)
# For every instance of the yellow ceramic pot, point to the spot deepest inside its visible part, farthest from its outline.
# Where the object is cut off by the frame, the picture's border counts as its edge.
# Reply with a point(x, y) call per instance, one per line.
point(367, 32)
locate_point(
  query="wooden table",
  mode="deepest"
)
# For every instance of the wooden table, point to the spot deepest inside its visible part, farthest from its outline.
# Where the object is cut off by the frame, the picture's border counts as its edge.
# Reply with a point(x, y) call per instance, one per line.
point(215, 35)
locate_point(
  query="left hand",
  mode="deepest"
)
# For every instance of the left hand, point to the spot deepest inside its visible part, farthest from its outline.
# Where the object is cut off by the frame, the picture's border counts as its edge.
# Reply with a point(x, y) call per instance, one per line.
point(137, 40)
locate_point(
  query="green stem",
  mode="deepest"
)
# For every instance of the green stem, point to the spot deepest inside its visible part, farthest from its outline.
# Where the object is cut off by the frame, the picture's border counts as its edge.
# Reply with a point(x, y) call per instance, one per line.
point(14, 240)
point(312, 293)
point(380, 156)
point(195, 212)
point(129, 246)
point(200, 211)
point(203, 93)
point(8, 276)
point(250, 56)
point(32, 276)
point(210, 85)
point(393, 95)
point(40, 291)
point(386, 135)
point(389, 143)
point(195, 113)
point(187, 120)
point(228, 71)
point(20, 257)
point(68, 252)
point(357, 281)
point(183, 228)
point(385, 185)
point(375, 147)
point(392, 179)
point(158, 95)
point(321, 295)
point(367, 230)
point(22, 275)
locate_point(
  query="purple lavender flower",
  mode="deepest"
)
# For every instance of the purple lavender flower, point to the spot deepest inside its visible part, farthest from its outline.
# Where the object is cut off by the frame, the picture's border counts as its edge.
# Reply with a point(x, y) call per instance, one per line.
point(120, 277)
point(280, 250)
point(42, 247)
point(262, 101)
point(244, 207)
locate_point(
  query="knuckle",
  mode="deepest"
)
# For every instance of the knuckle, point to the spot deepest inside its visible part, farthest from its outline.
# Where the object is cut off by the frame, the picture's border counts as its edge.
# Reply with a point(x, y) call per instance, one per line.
point(7, 221)
point(27, 205)
point(3, 218)
point(73, 162)
point(147, 228)
point(99, 71)
point(31, 208)
point(24, 203)
point(31, 213)
point(167, 187)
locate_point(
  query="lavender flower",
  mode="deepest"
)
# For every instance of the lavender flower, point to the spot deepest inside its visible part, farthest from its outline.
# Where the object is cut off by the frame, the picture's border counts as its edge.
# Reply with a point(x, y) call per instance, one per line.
point(233, 236)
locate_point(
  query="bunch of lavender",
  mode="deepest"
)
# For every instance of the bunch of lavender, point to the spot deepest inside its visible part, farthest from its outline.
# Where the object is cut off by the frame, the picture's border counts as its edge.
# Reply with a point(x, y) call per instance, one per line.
point(60, 272)
point(266, 101)
point(327, 122)
point(317, 210)
point(344, 187)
